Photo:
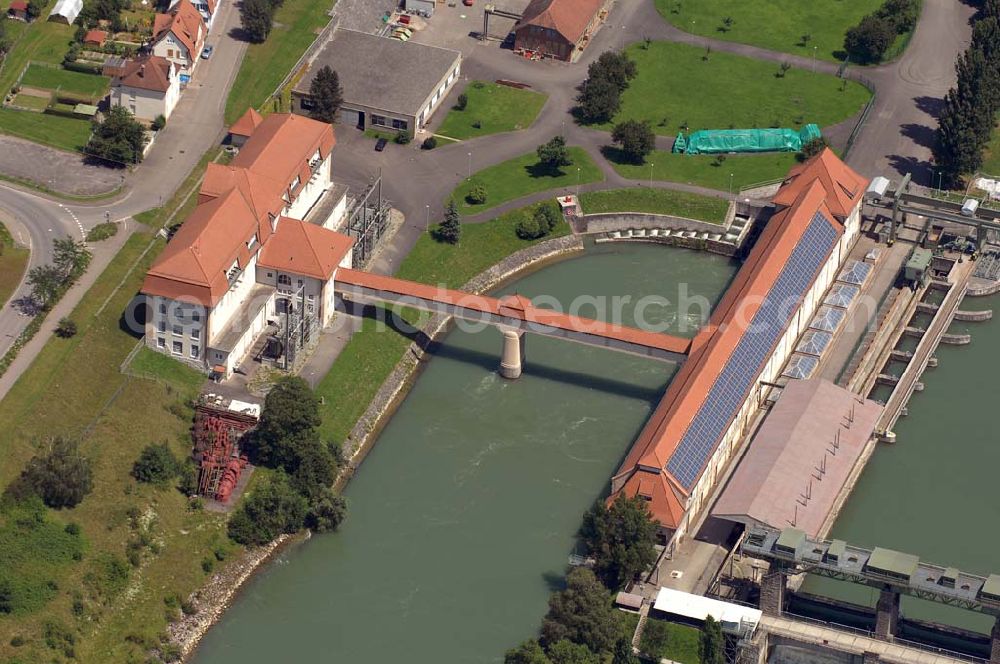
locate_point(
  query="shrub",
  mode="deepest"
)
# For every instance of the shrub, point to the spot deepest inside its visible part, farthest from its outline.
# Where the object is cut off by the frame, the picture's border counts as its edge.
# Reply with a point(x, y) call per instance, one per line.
point(462, 102)
point(72, 528)
point(547, 217)
point(529, 229)
point(272, 509)
point(477, 195)
point(102, 232)
point(429, 143)
point(159, 122)
point(61, 476)
point(403, 137)
point(207, 565)
point(811, 148)
point(327, 512)
point(187, 482)
point(156, 464)
point(66, 328)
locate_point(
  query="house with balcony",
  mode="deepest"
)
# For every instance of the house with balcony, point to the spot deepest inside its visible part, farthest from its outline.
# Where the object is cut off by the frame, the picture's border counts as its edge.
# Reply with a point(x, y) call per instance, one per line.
point(244, 268)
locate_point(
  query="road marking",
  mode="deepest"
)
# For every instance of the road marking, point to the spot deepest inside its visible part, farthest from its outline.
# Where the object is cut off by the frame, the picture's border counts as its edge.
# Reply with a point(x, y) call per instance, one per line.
point(83, 233)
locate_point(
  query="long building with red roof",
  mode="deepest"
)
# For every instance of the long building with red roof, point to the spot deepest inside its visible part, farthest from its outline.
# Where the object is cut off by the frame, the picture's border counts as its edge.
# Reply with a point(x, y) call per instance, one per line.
point(681, 452)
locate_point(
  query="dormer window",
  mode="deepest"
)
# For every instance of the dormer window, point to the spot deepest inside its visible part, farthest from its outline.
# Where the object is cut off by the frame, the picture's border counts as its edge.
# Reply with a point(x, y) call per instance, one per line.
point(252, 242)
point(274, 222)
point(295, 184)
point(233, 272)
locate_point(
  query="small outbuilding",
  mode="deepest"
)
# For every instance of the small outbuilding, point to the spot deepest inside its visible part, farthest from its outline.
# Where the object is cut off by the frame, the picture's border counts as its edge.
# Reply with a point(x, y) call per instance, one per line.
point(387, 84)
point(66, 11)
point(18, 10)
point(243, 129)
point(95, 38)
point(423, 8)
point(558, 29)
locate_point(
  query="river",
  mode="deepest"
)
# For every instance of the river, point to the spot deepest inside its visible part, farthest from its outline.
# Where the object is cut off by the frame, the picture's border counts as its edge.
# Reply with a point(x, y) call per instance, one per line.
point(463, 515)
point(935, 492)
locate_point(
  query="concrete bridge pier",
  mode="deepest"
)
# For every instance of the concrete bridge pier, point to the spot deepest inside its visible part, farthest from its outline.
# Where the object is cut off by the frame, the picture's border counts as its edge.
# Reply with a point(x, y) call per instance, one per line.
point(772, 592)
point(995, 643)
point(887, 615)
point(512, 353)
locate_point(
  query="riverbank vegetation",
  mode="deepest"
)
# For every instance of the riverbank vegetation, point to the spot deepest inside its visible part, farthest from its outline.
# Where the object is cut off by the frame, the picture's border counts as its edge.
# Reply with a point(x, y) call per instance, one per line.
point(679, 87)
point(655, 201)
point(520, 176)
point(490, 108)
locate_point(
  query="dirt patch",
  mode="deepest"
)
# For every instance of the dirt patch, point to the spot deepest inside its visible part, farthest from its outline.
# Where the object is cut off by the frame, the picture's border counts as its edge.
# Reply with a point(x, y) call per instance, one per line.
point(55, 170)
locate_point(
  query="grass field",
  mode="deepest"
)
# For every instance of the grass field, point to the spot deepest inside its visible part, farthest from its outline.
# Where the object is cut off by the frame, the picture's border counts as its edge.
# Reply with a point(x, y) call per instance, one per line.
point(778, 25)
point(13, 261)
point(53, 130)
point(32, 102)
point(296, 24)
point(673, 641)
point(523, 175)
point(40, 41)
point(991, 163)
point(676, 87)
point(655, 201)
point(705, 170)
point(497, 108)
point(90, 85)
point(370, 355)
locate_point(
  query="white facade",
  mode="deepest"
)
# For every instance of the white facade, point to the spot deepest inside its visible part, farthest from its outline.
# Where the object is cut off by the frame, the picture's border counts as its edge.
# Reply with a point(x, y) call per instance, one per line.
point(313, 189)
point(173, 49)
point(437, 96)
point(147, 104)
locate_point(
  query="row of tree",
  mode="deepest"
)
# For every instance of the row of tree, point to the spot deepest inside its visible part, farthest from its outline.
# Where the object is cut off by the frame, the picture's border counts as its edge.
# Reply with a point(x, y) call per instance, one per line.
point(582, 625)
point(601, 94)
point(971, 107)
point(48, 282)
point(298, 493)
point(870, 39)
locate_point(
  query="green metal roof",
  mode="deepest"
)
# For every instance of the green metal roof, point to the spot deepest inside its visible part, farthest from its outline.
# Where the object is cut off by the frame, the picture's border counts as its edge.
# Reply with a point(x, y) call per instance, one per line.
point(893, 562)
point(85, 109)
point(992, 585)
point(837, 549)
point(791, 538)
point(920, 259)
point(950, 573)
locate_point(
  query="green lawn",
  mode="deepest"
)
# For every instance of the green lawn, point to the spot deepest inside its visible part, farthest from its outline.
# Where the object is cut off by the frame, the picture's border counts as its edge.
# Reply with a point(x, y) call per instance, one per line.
point(53, 130)
point(991, 164)
point(88, 85)
point(497, 108)
point(32, 102)
point(705, 170)
point(655, 201)
point(165, 368)
point(296, 24)
point(40, 41)
point(676, 87)
point(13, 261)
point(523, 175)
point(673, 641)
point(370, 355)
point(778, 25)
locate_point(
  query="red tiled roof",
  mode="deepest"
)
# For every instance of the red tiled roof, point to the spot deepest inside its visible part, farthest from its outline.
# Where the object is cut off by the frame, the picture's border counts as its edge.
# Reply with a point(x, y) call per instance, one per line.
point(93, 36)
point(147, 73)
point(303, 248)
point(713, 345)
point(18, 6)
point(569, 18)
point(844, 187)
point(247, 123)
point(186, 24)
point(282, 145)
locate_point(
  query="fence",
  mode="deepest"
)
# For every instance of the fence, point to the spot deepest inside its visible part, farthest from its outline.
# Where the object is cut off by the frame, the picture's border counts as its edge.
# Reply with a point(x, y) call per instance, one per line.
point(865, 81)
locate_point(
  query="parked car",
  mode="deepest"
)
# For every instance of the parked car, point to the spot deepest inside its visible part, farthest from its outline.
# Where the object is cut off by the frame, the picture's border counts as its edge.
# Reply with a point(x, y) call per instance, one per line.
point(380, 144)
point(467, 3)
point(206, 52)
point(402, 31)
point(400, 36)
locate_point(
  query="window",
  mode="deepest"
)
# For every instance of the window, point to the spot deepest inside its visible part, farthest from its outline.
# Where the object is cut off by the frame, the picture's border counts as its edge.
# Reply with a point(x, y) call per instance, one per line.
point(299, 283)
point(196, 316)
point(378, 120)
point(162, 326)
point(195, 352)
point(252, 241)
point(218, 356)
point(295, 183)
point(270, 274)
point(196, 333)
point(178, 330)
point(163, 307)
point(399, 124)
point(306, 104)
point(161, 342)
point(178, 348)
point(284, 280)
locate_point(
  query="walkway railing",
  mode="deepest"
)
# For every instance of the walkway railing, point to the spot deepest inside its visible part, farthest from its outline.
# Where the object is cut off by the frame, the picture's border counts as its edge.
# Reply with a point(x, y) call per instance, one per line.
point(865, 81)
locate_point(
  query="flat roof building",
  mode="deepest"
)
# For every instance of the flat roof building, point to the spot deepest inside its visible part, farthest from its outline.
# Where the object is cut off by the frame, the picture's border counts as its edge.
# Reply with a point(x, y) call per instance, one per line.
point(388, 84)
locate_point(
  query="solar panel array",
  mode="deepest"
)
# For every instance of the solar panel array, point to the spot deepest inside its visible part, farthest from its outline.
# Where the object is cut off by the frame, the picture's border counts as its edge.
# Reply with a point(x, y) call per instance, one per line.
point(827, 318)
point(841, 295)
point(800, 366)
point(855, 272)
point(814, 342)
point(744, 364)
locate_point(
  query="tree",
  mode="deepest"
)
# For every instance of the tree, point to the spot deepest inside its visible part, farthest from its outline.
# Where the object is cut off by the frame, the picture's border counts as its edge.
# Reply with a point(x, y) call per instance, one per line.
point(327, 512)
point(477, 194)
point(35, 9)
point(869, 40)
point(290, 409)
point(712, 645)
point(47, 284)
point(118, 139)
point(567, 652)
point(462, 102)
point(812, 147)
point(159, 122)
point(635, 138)
point(256, 17)
point(623, 653)
point(272, 509)
point(451, 227)
point(621, 538)
point(71, 257)
point(727, 23)
point(553, 154)
point(156, 465)
point(581, 613)
point(327, 95)
point(528, 652)
point(429, 143)
point(60, 475)
point(547, 217)
point(528, 228)
point(312, 468)
point(599, 100)
point(403, 137)
point(615, 67)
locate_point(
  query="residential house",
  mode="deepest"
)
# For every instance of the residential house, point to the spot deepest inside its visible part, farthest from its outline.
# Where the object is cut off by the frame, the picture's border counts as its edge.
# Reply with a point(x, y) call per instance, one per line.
point(243, 263)
point(18, 10)
point(179, 36)
point(148, 86)
point(205, 7)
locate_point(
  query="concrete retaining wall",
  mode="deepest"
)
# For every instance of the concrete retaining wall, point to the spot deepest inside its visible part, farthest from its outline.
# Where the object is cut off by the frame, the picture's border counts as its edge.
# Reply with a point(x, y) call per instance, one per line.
point(711, 246)
point(623, 221)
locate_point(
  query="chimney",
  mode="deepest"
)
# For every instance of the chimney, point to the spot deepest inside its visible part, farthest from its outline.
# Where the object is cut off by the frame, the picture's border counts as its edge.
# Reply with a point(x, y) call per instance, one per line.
point(142, 70)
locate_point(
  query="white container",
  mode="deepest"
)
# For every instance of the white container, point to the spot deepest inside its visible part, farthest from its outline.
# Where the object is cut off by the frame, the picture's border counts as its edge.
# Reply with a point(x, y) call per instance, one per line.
point(969, 207)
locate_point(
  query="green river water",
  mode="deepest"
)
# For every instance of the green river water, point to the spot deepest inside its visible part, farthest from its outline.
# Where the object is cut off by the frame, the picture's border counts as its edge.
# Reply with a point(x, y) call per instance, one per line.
point(463, 515)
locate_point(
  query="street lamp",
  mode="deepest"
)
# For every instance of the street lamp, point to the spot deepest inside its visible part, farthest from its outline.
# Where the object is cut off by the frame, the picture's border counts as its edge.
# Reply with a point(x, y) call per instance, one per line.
point(470, 166)
point(938, 174)
point(650, 175)
point(427, 223)
point(814, 59)
point(578, 184)
point(731, 185)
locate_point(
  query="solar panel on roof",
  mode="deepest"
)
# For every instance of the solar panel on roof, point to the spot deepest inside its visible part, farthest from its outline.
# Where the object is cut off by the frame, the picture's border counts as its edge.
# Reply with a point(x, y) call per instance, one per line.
point(814, 342)
point(854, 272)
point(743, 367)
point(800, 366)
point(841, 295)
point(827, 318)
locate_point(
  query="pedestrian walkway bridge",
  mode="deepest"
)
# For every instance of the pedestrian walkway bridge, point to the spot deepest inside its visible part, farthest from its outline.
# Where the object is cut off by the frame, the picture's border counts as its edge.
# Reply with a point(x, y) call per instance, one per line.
point(511, 313)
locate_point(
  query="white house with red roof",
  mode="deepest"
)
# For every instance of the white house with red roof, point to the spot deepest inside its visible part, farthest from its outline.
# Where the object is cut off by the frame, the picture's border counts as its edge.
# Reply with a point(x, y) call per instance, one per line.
point(148, 86)
point(205, 7)
point(180, 35)
point(244, 262)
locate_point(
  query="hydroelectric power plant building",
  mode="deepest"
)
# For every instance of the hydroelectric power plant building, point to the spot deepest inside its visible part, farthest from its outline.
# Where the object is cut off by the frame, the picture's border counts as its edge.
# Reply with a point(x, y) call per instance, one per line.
point(686, 444)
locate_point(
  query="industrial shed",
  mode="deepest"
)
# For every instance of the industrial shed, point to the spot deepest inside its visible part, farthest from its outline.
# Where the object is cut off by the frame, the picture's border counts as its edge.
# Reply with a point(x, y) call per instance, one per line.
point(558, 29)
point(800, 459)
point(388, 84)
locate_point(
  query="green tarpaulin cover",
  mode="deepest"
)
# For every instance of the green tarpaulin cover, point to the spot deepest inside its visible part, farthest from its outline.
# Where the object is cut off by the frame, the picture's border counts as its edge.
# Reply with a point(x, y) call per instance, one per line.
point(715, 141)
